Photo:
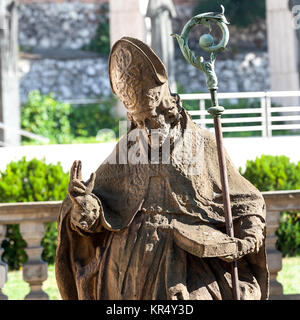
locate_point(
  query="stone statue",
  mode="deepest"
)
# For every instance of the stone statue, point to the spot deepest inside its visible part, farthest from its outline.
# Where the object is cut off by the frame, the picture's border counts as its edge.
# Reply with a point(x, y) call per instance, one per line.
point(149, 223)
point(161, 12)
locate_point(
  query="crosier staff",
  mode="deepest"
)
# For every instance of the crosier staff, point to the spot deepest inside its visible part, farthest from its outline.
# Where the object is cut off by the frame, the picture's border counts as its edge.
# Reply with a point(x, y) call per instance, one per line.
point(207, 43)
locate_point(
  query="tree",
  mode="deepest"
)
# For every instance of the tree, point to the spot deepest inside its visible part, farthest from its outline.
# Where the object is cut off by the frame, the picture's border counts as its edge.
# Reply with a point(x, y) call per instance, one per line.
point(240, 13)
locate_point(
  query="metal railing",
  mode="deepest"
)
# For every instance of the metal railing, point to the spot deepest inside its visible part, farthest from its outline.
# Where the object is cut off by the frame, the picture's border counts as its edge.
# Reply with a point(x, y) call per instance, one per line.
point(32, 216)
point(264, 119)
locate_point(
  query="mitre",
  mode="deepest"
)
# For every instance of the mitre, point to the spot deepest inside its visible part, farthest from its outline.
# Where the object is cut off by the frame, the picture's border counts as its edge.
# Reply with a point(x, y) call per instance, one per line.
point(137, 75)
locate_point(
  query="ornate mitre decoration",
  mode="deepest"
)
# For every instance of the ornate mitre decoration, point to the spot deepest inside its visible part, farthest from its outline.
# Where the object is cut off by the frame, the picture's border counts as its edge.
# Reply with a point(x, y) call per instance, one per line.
point(136, 75)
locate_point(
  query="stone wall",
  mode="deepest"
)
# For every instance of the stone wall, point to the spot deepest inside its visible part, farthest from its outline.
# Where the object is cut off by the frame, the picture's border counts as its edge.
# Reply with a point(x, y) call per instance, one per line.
point(72, 24)
point(88, 77)
point(53, 32)
point(67, 79)
point(245, 72)
point(59, 25)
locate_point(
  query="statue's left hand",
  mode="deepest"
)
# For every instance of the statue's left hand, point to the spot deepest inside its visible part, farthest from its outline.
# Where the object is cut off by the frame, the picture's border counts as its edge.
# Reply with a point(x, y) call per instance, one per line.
point(244, 247)
point(250, 237)
point(86, 207)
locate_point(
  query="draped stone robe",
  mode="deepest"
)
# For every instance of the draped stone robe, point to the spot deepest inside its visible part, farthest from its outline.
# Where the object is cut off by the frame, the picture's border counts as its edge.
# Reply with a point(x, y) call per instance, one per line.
point(161, 232)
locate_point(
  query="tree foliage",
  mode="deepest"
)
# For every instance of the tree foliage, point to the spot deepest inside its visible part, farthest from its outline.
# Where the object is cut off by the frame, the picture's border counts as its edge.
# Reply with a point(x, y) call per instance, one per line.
point(29, 181)
point(269, 173)
point(45, 116)
point(240, 13)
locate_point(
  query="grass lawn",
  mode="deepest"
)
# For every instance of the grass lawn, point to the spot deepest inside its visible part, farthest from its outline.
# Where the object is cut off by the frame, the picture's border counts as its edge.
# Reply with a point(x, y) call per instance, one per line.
point(289, 276)
point(16, 288)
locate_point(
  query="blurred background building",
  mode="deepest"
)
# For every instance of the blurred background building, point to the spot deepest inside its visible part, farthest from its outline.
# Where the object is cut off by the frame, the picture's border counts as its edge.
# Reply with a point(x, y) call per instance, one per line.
point(65, 45)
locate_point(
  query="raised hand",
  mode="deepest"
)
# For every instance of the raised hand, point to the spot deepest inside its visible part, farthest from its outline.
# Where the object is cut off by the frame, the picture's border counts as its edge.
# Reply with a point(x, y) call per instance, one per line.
point(86, 206)
point(76, 186)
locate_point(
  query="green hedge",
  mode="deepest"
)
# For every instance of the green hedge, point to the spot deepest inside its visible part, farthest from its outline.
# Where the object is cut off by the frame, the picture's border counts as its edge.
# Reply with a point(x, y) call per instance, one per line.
point(45, 116)
point(34, 180)
point(65, 123)
point(27, 181)
point(269, 173)
point(87, 120)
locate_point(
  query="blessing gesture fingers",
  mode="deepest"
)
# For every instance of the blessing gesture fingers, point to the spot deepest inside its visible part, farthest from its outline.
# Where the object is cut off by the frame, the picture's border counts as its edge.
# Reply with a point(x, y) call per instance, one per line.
point(76, 186)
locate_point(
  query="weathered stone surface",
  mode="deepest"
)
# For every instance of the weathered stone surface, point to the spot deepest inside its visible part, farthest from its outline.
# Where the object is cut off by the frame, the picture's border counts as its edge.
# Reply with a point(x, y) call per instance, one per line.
point(161, 217)
point(61, 25)
point(15, 213)
point(48, 211)
point(67, 79)
point(34, 270)
point(277, 202)
point(88, 77)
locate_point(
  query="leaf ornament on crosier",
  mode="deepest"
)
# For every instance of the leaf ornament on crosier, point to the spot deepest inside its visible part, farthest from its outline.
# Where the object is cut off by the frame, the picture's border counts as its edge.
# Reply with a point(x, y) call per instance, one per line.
point(206, 43)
